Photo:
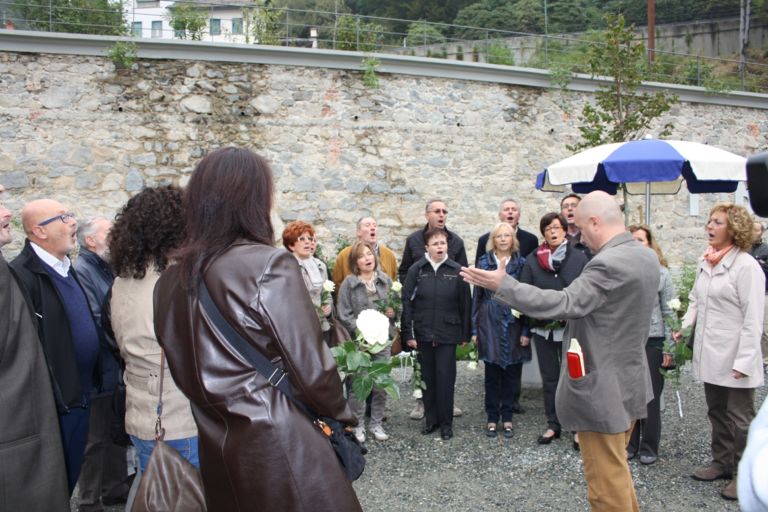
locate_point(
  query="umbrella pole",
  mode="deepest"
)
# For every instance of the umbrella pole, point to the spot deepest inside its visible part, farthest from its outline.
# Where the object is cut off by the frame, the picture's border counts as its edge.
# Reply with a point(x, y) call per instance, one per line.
point(647, 203)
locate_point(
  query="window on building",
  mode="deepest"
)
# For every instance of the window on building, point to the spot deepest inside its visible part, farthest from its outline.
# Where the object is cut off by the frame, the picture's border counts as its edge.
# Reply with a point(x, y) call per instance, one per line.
point(157, 28)
point(215, 26)
point(136, 29)
point(237, 26)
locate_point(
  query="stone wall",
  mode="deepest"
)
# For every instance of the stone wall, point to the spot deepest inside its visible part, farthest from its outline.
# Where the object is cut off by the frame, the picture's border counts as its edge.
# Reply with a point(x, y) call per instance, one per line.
point(73, 128)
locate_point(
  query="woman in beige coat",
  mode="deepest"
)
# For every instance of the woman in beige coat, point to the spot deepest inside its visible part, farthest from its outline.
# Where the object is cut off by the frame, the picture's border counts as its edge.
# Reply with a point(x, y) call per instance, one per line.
point(726, 306)
point(148, 227)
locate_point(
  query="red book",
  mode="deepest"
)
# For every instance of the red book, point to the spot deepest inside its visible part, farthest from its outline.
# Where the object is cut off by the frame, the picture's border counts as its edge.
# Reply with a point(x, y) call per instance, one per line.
point(576, 367)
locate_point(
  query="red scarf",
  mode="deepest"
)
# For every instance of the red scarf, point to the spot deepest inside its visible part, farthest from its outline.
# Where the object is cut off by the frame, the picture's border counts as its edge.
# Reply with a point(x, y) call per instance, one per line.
point(542, 256)
point(713, 256)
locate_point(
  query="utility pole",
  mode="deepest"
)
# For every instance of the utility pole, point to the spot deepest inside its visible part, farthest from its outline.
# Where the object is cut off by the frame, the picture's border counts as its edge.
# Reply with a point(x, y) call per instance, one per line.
point(651, 30)
point(743, 37)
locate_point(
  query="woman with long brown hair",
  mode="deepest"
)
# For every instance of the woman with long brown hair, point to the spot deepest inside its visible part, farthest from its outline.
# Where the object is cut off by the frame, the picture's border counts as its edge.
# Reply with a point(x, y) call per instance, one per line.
point(257, 449)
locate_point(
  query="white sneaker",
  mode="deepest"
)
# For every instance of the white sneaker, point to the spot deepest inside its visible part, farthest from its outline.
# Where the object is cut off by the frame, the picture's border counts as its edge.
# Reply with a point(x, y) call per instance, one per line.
point(418, 412)
point(359, 434)
point(379, 434)
point(457, 412)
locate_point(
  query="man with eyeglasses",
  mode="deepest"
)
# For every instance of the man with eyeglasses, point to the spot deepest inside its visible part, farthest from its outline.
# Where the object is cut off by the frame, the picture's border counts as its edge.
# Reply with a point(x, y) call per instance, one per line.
point(568, 206)
point(71, 342)
point(32, 472)
point(415, 248)
point(436, 214)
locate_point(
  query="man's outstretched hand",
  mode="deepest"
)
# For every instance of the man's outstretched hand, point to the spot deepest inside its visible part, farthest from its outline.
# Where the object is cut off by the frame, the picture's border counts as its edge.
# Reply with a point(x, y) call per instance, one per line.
point(489, 279)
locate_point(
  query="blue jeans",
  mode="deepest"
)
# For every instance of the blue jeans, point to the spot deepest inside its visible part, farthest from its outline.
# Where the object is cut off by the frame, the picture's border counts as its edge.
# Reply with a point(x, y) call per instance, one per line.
point(187, 447)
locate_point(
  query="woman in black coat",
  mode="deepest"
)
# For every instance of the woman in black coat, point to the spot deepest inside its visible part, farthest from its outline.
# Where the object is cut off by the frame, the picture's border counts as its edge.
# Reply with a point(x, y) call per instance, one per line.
point(552, 266)
point(436, 317)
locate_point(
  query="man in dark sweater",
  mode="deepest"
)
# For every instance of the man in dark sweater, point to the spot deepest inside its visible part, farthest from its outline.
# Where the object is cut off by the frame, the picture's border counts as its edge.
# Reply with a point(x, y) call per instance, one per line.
point(509, 212)
point(568, 206)
point(415, 248)
point(65, 324)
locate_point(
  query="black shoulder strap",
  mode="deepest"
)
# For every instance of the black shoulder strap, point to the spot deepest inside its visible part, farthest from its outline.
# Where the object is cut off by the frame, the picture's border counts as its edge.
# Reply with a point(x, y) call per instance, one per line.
point(274, 375)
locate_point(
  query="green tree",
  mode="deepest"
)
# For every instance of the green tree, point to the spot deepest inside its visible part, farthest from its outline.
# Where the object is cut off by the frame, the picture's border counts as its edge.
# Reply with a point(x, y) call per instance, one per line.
point(620, 112)
point(486, 14)
point(499, 53)
point(104, 17)
point(188, 21)
point(354, 34)
point(422, 33)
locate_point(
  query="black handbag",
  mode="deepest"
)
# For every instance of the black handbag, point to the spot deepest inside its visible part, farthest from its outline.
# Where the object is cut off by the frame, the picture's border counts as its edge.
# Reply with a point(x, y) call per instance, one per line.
point(350, 453)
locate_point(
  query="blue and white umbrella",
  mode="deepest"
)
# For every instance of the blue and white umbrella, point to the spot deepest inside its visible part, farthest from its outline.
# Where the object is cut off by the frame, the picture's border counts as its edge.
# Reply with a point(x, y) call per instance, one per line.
point(649, 166)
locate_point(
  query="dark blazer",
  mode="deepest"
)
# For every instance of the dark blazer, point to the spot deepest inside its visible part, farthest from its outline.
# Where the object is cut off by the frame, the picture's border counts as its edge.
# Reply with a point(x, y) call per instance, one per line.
point(437, 307)
point(608, 308)
point(53, 329)
point(415, 249)
point(96, 279)
point(527, 240)
point(32, 468)
point(534, 274)
point(257, 449)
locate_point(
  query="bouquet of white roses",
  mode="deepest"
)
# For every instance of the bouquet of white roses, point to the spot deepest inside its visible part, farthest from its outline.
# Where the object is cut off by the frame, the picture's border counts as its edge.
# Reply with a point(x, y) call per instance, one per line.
point(354, 361)
point(393, 300)
point(681, 352)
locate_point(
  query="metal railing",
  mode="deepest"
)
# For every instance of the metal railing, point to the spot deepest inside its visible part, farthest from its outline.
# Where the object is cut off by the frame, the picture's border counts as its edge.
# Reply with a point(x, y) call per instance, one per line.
point(254, 24)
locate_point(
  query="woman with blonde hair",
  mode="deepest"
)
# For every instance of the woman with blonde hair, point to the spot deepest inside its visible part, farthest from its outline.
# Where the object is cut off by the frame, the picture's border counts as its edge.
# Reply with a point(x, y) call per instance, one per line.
point(726, 307)
point(502, 339)
point(647, 433)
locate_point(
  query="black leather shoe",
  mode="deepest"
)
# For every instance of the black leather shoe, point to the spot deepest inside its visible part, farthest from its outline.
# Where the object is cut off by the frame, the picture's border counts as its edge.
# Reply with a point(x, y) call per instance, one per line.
point(576, 446)
point(548, 439)
point(429, 429)
point(446, 433)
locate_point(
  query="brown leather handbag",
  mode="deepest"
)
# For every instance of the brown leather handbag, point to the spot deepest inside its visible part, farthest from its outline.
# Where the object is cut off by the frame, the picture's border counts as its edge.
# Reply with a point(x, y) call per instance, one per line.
point(170, 483)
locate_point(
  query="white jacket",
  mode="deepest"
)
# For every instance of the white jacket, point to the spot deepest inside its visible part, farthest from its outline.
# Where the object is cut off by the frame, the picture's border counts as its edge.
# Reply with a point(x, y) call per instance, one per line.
point(726, 303)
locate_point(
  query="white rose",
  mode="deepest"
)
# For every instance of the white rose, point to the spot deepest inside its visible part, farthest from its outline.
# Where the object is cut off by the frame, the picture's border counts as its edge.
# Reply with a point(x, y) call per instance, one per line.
point(396, 286)
point(417, 394)
point(515, 313)
point(374, 327)
point(674, 304)
point(329, 286)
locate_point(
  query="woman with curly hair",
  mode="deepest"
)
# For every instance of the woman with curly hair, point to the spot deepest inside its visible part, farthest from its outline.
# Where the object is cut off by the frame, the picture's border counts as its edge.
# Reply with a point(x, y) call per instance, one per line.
point(147, 228)
point(726, 307)
point(299, 238)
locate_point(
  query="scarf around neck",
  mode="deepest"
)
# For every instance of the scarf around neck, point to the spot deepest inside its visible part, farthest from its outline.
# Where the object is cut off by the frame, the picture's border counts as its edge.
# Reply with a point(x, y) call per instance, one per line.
point(548, 260)
point(713, 256)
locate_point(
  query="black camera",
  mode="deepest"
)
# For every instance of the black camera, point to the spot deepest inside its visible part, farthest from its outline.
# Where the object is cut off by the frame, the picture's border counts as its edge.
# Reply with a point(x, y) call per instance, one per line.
point(757, 183)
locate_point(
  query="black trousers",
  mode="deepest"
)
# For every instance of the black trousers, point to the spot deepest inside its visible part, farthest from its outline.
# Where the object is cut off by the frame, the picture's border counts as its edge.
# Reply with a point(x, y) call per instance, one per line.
point(550, 356)
point(104, 465)
point(500, 390)
point(647, 433)
point(438, 369)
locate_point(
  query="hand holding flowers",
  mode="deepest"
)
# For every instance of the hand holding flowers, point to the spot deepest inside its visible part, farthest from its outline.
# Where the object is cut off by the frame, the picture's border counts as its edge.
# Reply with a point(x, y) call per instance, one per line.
point(354, 357)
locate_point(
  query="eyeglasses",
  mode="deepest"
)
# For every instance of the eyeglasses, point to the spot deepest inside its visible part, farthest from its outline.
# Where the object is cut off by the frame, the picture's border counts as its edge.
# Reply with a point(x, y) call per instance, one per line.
point(439, 211)
point(64, 217)
point(553, 228)
point(569, 205)
point(306, 239)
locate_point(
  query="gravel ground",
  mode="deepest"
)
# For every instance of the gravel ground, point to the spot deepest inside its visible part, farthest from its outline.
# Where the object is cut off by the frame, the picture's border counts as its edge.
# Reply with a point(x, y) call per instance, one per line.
point(473, 472)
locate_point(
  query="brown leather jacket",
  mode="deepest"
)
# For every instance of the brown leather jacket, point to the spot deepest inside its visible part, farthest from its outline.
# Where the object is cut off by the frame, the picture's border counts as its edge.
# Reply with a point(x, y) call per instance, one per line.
point(257, 450)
